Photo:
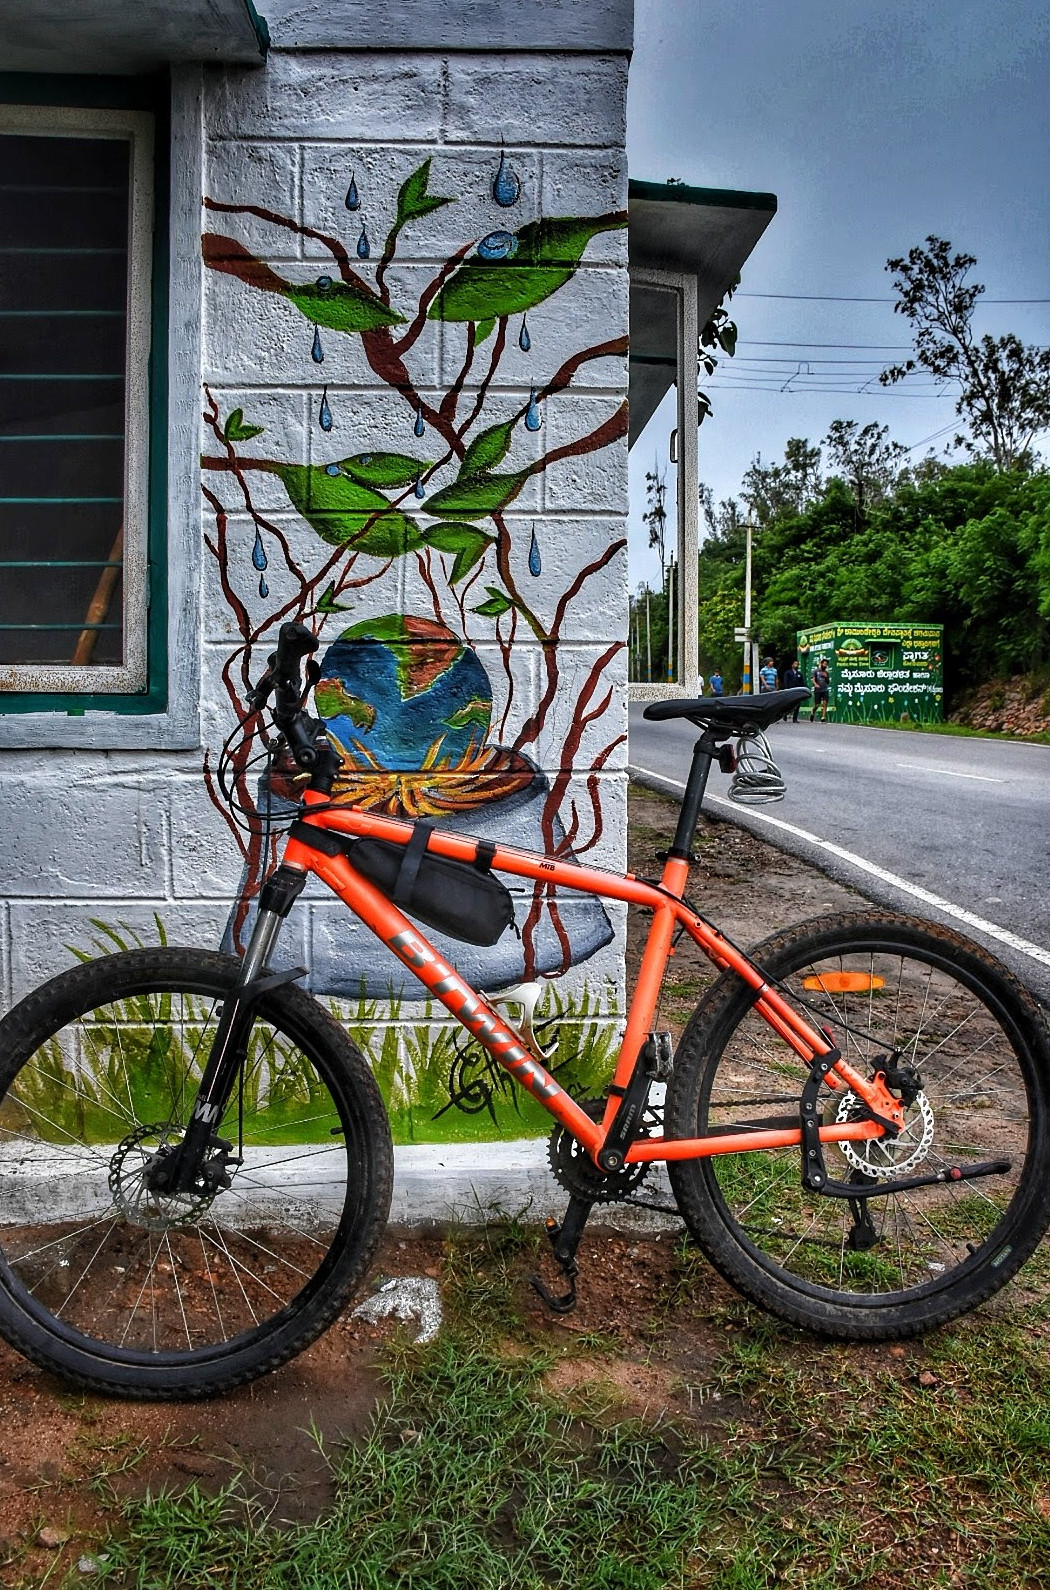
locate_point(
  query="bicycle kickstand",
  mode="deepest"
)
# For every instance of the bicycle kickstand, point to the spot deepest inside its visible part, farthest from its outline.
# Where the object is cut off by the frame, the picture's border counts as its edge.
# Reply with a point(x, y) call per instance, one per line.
point(565, 1239)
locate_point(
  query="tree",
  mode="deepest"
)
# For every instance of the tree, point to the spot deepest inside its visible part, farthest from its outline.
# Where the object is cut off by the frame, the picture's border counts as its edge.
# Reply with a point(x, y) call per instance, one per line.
point(773, 490)
point(868, 461)
point(1003, 385)
point(655, 516)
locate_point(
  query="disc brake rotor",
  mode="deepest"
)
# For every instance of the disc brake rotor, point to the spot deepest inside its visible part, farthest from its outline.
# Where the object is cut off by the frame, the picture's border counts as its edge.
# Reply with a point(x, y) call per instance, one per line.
point(136, 1200)
point(884, 1157)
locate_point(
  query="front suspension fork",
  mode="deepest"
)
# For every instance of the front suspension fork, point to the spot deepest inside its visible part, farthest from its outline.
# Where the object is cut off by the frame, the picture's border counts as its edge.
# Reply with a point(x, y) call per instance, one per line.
point(180, 1171)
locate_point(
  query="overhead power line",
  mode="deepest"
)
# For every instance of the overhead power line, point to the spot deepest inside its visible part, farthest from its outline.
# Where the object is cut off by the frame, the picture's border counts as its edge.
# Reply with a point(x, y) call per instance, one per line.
point(884, 347)
point(844, 298)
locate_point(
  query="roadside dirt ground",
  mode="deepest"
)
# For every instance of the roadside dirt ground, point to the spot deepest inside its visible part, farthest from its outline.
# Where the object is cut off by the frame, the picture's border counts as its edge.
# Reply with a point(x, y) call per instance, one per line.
point(67, 1460)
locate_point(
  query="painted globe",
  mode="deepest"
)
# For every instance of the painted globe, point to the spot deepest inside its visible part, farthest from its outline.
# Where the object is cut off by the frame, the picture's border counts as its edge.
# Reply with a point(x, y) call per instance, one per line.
point(404, 693)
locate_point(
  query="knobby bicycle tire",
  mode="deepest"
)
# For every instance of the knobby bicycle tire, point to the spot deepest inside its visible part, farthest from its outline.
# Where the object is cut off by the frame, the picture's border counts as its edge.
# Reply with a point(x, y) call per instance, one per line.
point(146, 1295)
point(883, 986)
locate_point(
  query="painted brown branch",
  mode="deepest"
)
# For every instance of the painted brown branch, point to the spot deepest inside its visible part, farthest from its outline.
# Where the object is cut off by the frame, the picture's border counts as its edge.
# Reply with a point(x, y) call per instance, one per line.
point(594, 794)
point(260, 521)
point(423, 563)
point(383, 354)
point(333, 244)
point(498, 346)
point(450, 402)
point(610, 431)
point(531, 728)
point(411, 336)
point(604, 350)
point(553, 799)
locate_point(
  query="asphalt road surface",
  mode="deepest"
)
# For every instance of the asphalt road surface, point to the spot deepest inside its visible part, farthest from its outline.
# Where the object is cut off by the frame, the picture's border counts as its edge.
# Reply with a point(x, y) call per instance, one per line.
point(953, 829)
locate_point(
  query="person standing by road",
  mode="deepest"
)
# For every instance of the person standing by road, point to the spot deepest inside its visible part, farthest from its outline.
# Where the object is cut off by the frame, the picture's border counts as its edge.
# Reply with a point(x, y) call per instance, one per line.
point(699, 684)
point(716, 684)
point(821, 690)
point(790, 680)
point(767, 676)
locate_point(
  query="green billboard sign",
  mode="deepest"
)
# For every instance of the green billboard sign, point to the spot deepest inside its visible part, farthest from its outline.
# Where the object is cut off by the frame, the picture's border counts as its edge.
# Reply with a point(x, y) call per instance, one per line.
point(879, 672)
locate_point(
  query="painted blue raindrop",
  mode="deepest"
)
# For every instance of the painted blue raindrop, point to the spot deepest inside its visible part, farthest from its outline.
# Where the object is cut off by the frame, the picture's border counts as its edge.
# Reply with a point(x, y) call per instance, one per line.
point(259, 551)
point(532, 413)
point(353, 202)
point(264, 589)
point(420, 491)
point(535, 561)
point(419, 428)
point(524, 340)
point(324, 284)
point(324, 413)
point(332, 469)
point(505, 184)
point(363, 247)
point(498, 245)
point(317, 352)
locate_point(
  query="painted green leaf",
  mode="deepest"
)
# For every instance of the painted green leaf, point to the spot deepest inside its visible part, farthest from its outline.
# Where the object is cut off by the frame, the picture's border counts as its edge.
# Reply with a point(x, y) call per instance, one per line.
point(328, 603)
point(488, 449)
point(498, 603)
point(465, 541)
point(340, 306)
point(482, 330)
point(384, 469)
point(413, 200)
point(344, 512)
point(473, 496)
point(546, 256)
point(235, 429)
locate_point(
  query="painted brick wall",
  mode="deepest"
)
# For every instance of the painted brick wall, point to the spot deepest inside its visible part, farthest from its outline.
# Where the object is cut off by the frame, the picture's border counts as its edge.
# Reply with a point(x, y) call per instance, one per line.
point(119, 839)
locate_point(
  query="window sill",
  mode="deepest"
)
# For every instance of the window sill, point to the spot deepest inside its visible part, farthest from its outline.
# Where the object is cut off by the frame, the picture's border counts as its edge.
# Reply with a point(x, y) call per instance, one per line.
point(131, 726)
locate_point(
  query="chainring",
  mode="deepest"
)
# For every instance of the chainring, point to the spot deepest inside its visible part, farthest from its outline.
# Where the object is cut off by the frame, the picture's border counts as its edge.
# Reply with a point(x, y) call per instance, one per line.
point(579, 1175)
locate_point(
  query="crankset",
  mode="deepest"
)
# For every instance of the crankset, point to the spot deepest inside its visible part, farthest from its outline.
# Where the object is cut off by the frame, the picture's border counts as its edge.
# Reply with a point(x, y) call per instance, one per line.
point(576, 1171)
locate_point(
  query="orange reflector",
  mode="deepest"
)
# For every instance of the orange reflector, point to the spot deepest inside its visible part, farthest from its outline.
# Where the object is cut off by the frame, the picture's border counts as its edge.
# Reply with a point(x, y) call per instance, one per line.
point(844, 982)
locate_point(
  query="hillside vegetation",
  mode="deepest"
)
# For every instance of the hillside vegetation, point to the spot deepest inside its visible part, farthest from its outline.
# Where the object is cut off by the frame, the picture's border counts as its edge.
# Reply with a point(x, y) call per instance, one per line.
point(964, 546)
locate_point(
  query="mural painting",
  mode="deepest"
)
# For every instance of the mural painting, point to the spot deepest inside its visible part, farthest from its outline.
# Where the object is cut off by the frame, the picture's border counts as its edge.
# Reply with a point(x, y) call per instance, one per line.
point(427, 708)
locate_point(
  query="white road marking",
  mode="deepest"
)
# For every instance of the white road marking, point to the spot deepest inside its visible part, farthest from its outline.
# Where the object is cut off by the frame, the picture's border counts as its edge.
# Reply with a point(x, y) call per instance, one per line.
point(992, 929)
point(950, 772)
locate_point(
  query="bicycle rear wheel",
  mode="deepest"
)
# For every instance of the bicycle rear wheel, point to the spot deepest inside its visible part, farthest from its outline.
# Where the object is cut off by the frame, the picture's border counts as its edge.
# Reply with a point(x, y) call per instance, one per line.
point(143, 1294)
point(885, 988)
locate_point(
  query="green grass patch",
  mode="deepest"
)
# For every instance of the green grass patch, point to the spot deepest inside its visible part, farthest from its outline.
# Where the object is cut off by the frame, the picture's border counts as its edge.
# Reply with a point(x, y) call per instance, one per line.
point(471, 1478)
point(961, 730)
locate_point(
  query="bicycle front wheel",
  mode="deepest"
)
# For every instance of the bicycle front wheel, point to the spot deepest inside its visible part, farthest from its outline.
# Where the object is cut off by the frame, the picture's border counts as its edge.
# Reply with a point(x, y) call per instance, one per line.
point(138, 1293)
point(972, 1047)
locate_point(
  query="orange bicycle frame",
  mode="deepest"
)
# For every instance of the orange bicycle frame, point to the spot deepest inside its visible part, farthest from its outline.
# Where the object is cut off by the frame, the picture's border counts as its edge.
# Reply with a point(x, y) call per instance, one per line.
point(498, 1036)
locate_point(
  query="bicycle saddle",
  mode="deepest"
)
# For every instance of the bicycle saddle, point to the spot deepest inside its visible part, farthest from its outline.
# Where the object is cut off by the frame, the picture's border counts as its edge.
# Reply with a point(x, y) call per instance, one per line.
point(733, 713)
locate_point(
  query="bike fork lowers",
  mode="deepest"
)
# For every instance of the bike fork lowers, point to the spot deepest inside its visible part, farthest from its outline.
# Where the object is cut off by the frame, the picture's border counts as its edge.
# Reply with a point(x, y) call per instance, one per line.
point(182, 1169)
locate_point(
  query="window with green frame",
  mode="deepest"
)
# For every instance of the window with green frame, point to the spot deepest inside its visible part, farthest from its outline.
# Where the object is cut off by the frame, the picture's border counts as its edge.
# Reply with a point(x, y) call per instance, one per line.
point(82, 381)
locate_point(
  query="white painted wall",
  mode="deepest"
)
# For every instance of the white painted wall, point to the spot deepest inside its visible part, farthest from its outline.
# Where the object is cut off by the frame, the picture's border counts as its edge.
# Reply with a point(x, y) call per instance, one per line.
point(125, 834)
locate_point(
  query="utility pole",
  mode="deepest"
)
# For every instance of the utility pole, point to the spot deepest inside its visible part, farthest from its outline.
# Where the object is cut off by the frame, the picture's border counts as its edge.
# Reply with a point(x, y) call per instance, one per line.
point(671, 670)
point(648, 640)
point(746, 680)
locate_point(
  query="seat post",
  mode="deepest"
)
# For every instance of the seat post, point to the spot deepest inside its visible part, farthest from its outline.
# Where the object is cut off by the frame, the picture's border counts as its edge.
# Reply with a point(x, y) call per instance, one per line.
point(689, 815)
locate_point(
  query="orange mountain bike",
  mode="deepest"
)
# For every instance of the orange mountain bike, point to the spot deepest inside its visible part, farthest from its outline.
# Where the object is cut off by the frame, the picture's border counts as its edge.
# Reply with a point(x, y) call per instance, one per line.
point(195, 1162)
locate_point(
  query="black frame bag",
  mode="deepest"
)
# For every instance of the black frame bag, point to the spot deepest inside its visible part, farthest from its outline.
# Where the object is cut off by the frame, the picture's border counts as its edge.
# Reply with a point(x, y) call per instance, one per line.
point(459, 898)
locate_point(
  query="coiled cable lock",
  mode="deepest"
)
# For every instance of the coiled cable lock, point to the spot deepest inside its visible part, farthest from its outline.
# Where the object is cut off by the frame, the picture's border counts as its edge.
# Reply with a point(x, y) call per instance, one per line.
point(757, 778)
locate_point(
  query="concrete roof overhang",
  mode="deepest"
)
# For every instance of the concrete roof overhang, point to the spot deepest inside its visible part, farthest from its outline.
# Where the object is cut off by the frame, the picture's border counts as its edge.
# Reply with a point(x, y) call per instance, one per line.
point(707, 233)
point(115, 36)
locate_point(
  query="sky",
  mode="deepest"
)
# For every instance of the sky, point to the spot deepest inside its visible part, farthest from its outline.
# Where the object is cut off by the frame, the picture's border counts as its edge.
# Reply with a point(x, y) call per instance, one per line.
point(875, 123)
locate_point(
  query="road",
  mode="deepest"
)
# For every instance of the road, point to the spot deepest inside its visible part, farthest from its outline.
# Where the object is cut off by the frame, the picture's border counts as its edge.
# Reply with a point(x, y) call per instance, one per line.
point(911, 815)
